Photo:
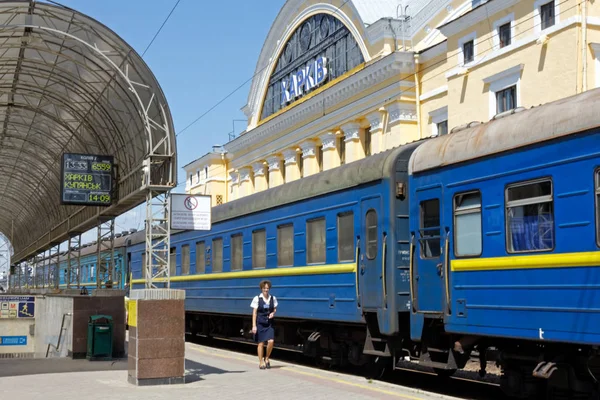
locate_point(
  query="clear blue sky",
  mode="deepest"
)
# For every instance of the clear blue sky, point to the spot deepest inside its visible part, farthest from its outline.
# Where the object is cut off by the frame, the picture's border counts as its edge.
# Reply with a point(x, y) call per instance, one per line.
point(206, 50)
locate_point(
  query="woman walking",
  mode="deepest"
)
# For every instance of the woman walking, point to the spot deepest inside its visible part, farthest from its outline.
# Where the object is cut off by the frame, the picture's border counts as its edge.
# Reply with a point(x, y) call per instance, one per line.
point(264, 307)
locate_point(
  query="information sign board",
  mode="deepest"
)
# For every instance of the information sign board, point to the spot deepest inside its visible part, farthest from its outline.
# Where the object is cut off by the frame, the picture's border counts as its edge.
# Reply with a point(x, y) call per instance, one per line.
point(13, 340)
point(17, 307)
point(86, 179)
point(190, 212)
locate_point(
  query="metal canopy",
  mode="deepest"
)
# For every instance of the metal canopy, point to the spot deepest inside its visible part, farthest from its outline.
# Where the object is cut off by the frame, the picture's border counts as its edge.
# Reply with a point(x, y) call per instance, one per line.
point(70, 84)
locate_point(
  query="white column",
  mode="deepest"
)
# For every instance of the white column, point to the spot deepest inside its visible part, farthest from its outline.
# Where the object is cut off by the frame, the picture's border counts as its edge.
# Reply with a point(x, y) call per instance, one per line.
point(376, 121)
point(331, 157)
point(291, 166)
point(354, 149)
point(275, 177)
point(260, 181)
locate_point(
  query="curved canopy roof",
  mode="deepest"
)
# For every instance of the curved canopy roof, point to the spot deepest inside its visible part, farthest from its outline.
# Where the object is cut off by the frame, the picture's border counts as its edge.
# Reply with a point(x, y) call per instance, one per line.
point(70, 84)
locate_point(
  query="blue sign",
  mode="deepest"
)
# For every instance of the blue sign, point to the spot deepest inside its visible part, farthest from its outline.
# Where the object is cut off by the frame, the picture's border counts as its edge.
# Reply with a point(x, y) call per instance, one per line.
point(17, 307)
point(26, 310)
point(13, 340)
point(304, 80)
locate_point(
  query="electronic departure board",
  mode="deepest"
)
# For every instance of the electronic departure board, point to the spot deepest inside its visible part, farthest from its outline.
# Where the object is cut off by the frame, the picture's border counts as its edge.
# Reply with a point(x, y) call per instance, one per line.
point(87, 179)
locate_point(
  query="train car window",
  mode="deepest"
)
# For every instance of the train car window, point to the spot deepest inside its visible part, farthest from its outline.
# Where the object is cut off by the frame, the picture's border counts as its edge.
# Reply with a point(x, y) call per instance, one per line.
point(371, 234)
point(259, 249)
point(530, 216)
point(467, 224)
point(185, 259)
point(217, 255)
point(237, 252)
point(430, 229)
point(345, 228)
point(285, 245)
point(315, 241)
point(598, 206)
point(143, 265)
point(200, 257)
point(173, 261)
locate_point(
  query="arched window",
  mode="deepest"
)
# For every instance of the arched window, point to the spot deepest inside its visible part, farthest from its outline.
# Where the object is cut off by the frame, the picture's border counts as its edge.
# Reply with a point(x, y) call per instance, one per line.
point(319, 50)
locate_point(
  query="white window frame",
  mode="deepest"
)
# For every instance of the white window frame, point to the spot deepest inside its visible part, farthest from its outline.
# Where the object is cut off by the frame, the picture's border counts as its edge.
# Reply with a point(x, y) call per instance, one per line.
point(501, 22)
point(501, 81)
point(537, 18)
point(461, 56)
point(437, 116)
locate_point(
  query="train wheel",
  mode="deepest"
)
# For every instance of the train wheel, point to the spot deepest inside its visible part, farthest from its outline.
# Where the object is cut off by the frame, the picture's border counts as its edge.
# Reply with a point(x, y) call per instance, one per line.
point(377, 367)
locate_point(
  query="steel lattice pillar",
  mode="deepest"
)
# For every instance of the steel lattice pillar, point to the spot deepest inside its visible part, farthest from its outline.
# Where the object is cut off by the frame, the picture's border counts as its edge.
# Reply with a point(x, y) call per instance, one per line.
point(54, 266)
point(158, 233)
point(74, 277)
point(106, 242)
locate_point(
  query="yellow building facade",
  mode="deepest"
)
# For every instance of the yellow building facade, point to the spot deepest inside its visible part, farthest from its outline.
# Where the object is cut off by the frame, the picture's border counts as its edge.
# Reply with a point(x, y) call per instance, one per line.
point(338, 81)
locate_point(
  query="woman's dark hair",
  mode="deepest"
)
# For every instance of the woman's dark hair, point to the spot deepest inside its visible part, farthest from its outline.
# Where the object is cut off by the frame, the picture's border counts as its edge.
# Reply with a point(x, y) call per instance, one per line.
point(263, 283)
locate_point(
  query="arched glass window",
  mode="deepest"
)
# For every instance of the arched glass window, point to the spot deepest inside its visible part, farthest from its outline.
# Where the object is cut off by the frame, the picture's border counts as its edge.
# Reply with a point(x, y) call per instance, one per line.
point(319, 50)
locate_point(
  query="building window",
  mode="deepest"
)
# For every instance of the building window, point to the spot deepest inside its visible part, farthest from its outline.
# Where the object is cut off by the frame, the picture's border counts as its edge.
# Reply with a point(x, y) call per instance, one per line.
point(315, 241)
point(259, 249)
point(368, 142)
point(342, 150)
point(467, 224)
point(237, 252)
point(430, 229)
point(506, 99)
point(200, 257)
point(598, 206)
point(504, 35)
point(285, 245)
point(185, 259)
point(300, 161)
point(345, 229)
point(191, 179)
point(198, 176)
point(371, 234)
point(173, 261)
point(547, 15)
point(217, 255)
point(320, 157)
point(206, 172)
point(468, 52)
point(530, 216)
point(442, 128)
point(318, 36)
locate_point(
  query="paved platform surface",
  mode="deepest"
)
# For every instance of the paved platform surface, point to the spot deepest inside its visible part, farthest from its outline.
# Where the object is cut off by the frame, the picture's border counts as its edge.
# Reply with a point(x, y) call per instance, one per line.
point(210, 373)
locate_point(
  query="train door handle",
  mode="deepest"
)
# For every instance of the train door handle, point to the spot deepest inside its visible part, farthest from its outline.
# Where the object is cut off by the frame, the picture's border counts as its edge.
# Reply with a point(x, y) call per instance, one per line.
point(439, 268)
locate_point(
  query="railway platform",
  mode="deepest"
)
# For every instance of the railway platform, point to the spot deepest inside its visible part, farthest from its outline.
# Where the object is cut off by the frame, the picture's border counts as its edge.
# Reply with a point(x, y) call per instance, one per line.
point(210, 373)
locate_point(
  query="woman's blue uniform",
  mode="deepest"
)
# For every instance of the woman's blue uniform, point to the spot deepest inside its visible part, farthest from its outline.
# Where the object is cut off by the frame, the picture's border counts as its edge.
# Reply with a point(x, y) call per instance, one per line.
point(264, 324)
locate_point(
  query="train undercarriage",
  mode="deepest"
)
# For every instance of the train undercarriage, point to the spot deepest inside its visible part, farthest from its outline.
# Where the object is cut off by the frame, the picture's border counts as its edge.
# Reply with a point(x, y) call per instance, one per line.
point(528, 370)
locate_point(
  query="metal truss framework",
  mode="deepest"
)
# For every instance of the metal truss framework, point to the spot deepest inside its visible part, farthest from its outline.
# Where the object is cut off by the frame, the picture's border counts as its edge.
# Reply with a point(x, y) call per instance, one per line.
point(158, 239)
point(74, 274)
point(105, 263)
point(70, 84)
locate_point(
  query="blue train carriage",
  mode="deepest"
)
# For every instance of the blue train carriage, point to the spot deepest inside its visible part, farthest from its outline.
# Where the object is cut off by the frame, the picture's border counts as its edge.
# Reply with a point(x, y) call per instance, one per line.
point(505, 226)
point(334, 245)
point(88, 264)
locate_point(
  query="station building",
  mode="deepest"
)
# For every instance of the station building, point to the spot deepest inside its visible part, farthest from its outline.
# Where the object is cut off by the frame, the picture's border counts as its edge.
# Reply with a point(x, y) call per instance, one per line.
point(341, 80)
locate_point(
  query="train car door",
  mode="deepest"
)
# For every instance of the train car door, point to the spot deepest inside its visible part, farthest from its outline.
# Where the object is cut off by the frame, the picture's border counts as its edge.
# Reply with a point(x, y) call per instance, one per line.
point(428, 272)
point(370, 278)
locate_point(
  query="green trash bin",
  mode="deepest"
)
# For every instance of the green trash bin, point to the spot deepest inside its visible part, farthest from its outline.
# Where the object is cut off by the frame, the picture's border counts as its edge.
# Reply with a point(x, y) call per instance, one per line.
point(100, 338)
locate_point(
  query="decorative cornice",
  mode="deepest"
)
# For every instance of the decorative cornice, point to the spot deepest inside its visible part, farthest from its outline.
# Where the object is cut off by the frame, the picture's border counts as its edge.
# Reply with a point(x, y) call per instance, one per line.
point(289, 155)
point(375, 120)
point(401, 112)
point(259, 169)
point(473, 17)
point(274, 163)
point(380, 71)
point(434, 92)
point(328, 140)
point(245, 174)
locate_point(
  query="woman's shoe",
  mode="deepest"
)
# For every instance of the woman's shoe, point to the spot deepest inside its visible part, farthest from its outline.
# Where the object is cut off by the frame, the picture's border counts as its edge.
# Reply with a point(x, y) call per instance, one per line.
point(261, 366)
point(268, 365)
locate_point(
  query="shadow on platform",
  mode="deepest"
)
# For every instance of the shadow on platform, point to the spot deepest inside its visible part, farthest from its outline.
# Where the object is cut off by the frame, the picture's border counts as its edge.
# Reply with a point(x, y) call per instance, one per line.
point(195, 371)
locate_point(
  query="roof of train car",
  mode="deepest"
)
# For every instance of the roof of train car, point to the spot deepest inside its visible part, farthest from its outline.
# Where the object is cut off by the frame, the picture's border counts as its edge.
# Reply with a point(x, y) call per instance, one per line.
point(557, 119)
point(368, 169)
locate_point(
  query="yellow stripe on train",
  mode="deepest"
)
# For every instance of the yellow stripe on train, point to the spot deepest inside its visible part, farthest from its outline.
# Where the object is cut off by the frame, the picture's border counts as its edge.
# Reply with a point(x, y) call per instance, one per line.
point(264, 273)
point(564, 260)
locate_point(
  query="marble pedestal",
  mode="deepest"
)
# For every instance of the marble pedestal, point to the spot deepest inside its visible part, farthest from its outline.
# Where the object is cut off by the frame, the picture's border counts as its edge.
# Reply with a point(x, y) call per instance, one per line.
point(156, 337)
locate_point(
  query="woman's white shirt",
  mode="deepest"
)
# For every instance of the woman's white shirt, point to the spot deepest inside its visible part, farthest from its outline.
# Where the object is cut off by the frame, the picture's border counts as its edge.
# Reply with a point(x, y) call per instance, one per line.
point(254, 303)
